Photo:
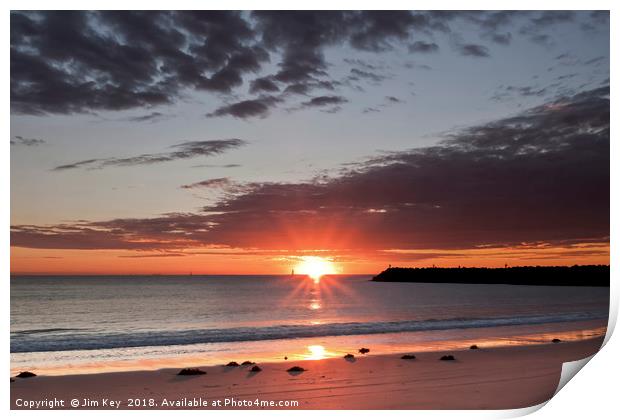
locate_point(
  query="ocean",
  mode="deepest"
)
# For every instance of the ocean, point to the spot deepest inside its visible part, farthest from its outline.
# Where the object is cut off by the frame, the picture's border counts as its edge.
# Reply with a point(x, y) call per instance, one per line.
point(84, 324)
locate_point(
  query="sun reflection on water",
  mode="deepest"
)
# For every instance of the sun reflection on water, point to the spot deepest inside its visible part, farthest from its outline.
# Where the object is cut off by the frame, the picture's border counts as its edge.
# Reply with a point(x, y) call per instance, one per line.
point(315, 305)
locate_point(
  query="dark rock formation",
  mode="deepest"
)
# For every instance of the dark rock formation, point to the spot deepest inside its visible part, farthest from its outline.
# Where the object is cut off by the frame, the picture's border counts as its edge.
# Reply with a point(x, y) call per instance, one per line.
point(25, 374)
point(447, 357)
point(363, 350)
point(577, 275)
point(296, 369)
point(231, 364)
point(408, 357)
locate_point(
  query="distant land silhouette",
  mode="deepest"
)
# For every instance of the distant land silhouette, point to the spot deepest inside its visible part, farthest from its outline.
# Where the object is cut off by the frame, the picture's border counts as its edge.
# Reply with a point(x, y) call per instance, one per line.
point(576, 275)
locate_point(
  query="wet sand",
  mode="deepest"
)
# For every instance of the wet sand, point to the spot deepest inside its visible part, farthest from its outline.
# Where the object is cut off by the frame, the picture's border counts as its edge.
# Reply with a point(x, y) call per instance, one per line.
point(493, 378)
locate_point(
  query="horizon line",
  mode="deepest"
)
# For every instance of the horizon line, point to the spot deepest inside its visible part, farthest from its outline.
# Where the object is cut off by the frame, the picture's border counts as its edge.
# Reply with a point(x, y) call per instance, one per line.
point(23, 274)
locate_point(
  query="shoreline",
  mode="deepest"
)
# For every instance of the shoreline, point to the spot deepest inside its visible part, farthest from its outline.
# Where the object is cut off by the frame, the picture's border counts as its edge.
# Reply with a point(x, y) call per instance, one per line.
point(488, 378)
point(154, 358)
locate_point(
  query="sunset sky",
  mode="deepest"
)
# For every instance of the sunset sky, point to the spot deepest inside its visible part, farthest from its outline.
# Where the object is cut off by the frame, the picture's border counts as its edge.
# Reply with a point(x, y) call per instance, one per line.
point(226, 142)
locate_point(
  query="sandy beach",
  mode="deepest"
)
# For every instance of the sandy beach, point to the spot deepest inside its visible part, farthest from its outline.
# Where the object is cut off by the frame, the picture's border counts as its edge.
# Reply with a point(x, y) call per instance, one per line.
point(493, 378)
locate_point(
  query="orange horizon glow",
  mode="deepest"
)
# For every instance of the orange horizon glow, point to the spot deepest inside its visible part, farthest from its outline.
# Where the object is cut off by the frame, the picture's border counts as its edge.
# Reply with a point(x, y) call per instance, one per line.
point(238, 261)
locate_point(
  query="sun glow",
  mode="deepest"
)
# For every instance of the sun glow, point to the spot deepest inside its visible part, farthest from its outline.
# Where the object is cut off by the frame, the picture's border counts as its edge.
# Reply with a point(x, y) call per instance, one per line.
point(317, 352)
point(315, 267)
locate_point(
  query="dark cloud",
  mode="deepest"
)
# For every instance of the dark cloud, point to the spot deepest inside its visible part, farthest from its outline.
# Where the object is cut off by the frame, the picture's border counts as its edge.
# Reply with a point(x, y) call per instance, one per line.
point(503, 39)
point(412, 65)
point(333, 110)
point(423, 47)
point(507, 92)
point(225, 166)
point(75, 165)
point(598, 19)
point(566, 76)
point(325, 84)
point(370, 110)
point(298, 88)
point(495, 26)
point(393, 99)
point(166, 232)
point(538, 25)
point(209, 183)
point(258, 107)
point(568, 59)
point(474, 50)
point(157, 255)
point(301, 36)
point(19, 140)
point(186, 150)
point(375, 30)
point(320, 101)
point(357, 74)
point(547, 18)
point(361, 63)
point(494, 21)
point(65, 62)
point(541, 39)
point(381, 30)
point(304, 88)
point(263, 84)
point(152, 117)
point(595, 60)
point(542, 176)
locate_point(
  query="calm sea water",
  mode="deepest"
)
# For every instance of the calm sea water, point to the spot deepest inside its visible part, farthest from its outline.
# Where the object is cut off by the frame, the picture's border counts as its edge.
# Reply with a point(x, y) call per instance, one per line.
point(113, 322)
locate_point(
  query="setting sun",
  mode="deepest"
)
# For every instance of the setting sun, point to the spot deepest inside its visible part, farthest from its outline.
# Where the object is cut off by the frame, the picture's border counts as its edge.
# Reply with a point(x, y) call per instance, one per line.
point(315, 267)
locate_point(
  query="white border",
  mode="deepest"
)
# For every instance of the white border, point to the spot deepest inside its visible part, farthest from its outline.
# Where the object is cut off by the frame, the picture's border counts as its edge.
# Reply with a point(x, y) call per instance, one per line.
point(592, 395)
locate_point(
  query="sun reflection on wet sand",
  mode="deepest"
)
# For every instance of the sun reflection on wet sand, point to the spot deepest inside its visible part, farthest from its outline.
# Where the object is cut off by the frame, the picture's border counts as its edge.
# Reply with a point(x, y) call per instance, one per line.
point(317, 352)
point(320, 352)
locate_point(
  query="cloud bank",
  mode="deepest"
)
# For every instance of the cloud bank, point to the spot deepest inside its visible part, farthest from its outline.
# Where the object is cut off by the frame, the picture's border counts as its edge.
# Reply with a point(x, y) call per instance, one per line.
point(66, 62)
point(539, 176)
